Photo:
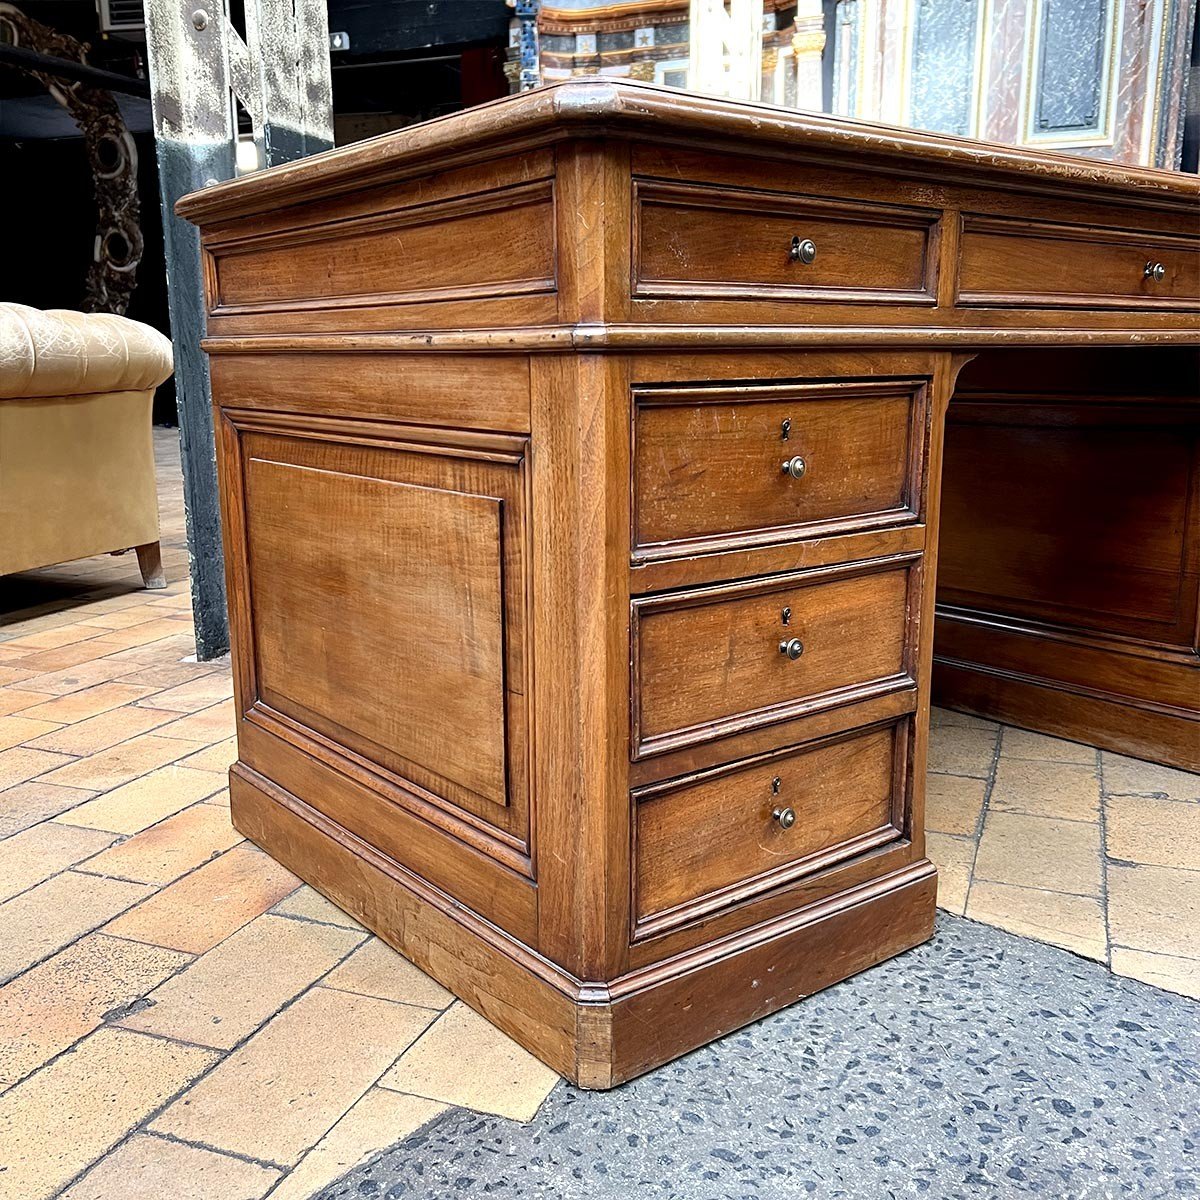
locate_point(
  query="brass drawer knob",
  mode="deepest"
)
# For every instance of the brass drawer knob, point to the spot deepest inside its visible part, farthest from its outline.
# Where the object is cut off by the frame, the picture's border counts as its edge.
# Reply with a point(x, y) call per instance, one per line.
point(804, 250)
point(792, 648)
point(785, 816)
point(795, 467)
point(1155, 271)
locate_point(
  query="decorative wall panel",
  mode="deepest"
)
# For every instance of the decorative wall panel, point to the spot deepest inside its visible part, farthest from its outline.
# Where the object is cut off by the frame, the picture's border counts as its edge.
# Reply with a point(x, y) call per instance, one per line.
point(945, 65)
point(847, 57)
point(1069, 94)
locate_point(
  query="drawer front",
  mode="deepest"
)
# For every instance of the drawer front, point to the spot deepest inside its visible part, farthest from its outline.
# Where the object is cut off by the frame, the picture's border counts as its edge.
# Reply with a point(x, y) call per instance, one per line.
point(703, 241)
point(1005, 261)
point(720, 660)
point(395, 258)
point(707, 842)
point(718, 467)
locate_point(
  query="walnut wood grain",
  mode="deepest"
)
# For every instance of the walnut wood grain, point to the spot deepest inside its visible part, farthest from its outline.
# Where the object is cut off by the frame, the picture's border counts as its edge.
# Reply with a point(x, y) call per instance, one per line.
point(692, 241)
point(1012, 261)
point(708, 463)
point(758, 824)
point(500, 406)
point(710, 661)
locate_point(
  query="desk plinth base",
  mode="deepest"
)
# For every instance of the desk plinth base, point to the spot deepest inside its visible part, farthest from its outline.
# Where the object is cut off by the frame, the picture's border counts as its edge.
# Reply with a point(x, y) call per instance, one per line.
point(596, 1034)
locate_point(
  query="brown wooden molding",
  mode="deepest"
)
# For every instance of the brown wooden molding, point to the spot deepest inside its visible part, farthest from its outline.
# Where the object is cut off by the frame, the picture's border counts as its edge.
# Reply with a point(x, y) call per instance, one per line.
point(598, 337)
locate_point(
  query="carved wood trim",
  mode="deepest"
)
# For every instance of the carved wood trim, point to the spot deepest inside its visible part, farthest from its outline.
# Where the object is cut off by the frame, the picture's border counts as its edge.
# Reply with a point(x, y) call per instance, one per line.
point(618, 338)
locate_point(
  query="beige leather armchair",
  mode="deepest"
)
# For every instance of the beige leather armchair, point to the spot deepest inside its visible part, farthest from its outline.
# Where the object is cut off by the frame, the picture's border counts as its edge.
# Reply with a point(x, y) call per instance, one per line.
point(76, 449)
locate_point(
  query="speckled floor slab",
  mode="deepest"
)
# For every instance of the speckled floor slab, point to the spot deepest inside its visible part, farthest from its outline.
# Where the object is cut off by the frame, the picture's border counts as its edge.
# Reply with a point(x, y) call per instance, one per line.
point(980, 1064)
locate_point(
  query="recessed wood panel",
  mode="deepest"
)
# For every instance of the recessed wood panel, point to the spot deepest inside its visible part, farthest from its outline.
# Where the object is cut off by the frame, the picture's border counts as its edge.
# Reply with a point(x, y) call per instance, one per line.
point(387, 597)
point(498, 243)
point(1014, 261)
point(716, 836)
point(708, 663)
point(708, 462)
point(1080, 515)
point(413, 388)
point(695, 240)
point(1069, 578)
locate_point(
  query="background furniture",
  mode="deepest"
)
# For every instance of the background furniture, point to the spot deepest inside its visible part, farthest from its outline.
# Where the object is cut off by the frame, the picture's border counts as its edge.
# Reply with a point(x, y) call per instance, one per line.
point(1069, 576)
point(76, 454)
point(580, 466)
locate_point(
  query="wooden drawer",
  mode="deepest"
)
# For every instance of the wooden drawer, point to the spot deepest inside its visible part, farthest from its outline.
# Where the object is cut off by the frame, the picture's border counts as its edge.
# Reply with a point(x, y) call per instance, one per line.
point(712, 840)
point(709, 462)
point(394, 258)
point(710, 662)
point(1008, 261)
point(696, 240)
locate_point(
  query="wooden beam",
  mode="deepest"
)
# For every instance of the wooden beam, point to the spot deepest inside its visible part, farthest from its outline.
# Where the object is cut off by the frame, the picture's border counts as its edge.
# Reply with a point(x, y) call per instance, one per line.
point(198, 64)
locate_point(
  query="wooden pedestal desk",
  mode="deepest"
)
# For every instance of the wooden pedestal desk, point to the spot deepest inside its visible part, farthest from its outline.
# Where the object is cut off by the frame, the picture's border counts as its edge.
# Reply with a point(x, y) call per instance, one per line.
point(580, 463)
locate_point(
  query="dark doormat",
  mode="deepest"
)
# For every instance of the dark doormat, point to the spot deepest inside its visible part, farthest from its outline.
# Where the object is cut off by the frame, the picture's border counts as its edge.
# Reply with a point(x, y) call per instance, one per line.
point(979, 1064)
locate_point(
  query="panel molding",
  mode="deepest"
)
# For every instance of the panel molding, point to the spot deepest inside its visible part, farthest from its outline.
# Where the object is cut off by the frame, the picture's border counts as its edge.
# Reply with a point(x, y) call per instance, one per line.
point(1101, 131)
point(499, 826)
point(506, 200)
point(969, 85)
point(909, 512)
point(755, 203)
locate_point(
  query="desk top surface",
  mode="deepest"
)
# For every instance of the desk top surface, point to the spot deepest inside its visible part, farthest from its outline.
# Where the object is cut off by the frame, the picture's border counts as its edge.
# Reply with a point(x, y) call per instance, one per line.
point(624, 108)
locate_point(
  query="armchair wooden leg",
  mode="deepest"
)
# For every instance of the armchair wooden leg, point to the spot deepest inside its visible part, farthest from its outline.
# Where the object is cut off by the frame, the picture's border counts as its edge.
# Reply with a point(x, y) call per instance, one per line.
point(150, 562)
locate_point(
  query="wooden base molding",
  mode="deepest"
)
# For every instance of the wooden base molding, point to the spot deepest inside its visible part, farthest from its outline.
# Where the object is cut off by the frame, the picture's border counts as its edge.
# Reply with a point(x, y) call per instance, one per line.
point(1168, 736)
point(597, 1034)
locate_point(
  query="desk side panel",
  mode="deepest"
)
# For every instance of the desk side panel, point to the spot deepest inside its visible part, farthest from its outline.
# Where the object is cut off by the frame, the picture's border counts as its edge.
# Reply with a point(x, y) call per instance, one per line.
point(379, 594)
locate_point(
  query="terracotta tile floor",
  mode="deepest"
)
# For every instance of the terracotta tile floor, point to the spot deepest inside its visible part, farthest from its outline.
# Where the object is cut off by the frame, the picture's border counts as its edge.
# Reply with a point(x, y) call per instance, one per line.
point(1068, 844)
point(178, 1015)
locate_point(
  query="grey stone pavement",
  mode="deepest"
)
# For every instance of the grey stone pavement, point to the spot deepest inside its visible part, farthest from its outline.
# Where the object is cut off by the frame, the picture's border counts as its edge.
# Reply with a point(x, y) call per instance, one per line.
point(978, 1065)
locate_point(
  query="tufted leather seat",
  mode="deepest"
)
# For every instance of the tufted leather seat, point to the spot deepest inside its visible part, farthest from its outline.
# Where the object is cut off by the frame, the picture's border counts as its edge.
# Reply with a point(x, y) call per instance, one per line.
point(76, 453)
point(63, 353)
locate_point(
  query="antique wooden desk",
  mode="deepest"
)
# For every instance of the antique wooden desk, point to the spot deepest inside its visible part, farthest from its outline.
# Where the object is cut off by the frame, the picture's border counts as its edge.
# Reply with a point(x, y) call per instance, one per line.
point(580, 461)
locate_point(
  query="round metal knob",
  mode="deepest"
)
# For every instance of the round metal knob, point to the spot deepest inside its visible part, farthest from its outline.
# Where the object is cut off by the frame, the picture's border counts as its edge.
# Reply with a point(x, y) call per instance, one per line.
point(803, 250)
point(792, 648)
point(795, 467)
point(785, 816)
point(1155, 271)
